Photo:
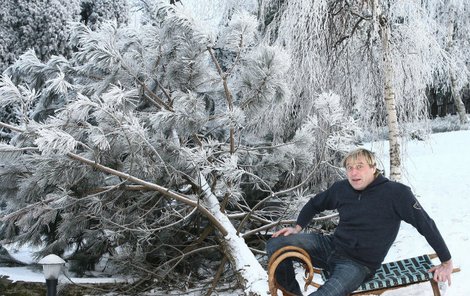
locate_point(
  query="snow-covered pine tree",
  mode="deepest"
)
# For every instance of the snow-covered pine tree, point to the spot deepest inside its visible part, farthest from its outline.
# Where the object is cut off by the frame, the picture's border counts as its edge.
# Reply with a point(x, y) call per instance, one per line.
point(95, 12)
point(38, 25)
point(148, 150)
point(42, 27)
point(35, 25)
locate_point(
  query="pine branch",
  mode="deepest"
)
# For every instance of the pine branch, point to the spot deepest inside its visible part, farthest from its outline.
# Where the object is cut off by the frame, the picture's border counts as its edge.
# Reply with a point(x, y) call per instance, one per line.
point(165, 191)
point(25, 209)
point(228, 96)
point(184, 255)
point(272, 195)
point(165, 92)
point(13, 128)
point(217, 276)
point(147, 230)
point(284, 222)
point(152, 96)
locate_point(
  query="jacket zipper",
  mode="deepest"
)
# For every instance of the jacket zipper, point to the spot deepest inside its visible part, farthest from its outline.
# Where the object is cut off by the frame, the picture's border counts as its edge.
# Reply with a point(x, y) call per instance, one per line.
point(359, 196)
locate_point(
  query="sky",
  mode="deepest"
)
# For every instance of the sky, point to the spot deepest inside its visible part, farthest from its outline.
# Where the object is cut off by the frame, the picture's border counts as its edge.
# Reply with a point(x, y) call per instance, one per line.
point(437, 170)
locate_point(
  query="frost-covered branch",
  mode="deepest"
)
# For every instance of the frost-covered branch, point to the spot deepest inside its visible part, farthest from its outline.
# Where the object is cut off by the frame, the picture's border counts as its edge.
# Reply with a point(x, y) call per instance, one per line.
point(228, 97)
point(161, 189)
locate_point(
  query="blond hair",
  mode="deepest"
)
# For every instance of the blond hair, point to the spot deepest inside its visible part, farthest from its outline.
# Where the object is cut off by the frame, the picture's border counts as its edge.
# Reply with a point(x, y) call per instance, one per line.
point(369, 156)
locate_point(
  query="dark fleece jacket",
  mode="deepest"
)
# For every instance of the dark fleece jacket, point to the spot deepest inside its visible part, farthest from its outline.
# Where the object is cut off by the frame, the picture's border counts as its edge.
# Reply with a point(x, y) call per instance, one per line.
point(370, 219)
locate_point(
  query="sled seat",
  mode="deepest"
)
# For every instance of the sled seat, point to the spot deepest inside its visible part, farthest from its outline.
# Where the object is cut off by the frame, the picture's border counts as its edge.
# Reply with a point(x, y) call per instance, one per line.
point(389, 276)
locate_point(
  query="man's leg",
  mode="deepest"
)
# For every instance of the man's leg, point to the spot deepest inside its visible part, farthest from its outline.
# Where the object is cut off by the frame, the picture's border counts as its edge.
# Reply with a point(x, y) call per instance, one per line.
point(318, 247)
point(346, 276)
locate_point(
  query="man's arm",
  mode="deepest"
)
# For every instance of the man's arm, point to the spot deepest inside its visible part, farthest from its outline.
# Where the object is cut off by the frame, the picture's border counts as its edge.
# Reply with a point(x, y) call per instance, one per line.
point(414, 214)
point(315, 205)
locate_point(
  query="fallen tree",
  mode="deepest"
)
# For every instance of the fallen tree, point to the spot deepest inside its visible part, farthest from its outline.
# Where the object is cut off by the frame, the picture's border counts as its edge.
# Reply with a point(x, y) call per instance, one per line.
point(166, 104)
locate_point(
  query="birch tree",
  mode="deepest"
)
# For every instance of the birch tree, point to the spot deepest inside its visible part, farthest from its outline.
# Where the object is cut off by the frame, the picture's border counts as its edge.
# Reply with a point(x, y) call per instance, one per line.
point(381, 21)
point(154, 148)
point(365, 51)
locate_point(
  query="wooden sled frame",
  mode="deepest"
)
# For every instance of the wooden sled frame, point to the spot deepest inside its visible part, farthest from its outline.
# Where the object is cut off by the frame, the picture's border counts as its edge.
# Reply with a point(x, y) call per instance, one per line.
point(301, 255)
point(289, 252)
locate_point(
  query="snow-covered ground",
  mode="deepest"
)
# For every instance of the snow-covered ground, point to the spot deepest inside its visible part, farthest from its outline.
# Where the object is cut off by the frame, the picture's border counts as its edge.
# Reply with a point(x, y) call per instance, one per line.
point(438, 171)
point(33, 273)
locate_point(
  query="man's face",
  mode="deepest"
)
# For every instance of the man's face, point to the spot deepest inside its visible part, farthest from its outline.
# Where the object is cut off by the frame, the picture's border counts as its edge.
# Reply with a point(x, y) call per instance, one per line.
point(359, 173)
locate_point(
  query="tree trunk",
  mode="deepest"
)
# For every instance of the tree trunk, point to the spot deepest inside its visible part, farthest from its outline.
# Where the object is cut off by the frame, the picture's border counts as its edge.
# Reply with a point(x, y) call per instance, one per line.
point(459, 105)
point(389, 97)
point(251, 274)
point(454, 87)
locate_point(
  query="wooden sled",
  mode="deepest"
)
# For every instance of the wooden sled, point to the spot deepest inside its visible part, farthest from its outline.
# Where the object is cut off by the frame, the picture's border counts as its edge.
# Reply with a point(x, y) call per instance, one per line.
point(390, 276)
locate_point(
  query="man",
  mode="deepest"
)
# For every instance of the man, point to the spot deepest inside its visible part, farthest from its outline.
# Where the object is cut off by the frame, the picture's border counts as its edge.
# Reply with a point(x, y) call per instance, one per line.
point(370, 208)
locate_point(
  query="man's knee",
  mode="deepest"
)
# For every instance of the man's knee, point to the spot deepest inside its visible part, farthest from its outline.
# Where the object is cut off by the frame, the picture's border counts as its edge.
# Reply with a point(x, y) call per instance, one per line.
point(276, 243)
point(273, 244)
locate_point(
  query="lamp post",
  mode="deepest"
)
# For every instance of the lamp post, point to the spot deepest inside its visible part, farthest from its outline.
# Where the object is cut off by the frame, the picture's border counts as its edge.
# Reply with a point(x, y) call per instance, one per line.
point(51, 265)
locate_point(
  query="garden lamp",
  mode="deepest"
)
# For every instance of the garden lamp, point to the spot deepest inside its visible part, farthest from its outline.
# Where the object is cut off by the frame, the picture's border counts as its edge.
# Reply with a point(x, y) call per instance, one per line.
point(52, 266)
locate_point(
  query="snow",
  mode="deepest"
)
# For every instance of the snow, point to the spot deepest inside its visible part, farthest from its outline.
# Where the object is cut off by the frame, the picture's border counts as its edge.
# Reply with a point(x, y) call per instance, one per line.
point(438, 171)
point(34, 272)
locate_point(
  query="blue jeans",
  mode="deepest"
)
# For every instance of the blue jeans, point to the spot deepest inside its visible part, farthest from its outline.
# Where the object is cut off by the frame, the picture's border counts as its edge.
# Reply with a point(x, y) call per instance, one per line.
point(345, 275)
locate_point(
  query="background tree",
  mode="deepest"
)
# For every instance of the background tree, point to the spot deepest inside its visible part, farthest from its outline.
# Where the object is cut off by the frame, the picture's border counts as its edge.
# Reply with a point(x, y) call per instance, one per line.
point(43, 27)
point(38, 25)
point(454, 36)
point(341, 47)
point(94, 12)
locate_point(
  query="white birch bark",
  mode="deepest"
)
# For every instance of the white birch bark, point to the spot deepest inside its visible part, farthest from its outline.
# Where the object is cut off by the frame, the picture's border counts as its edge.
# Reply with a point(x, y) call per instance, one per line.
point(251, 274)
point(389, 95)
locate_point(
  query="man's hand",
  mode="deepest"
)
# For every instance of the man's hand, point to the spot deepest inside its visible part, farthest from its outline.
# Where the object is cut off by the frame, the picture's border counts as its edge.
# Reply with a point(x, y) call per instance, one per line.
point(443, 272)
point(287, 231)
